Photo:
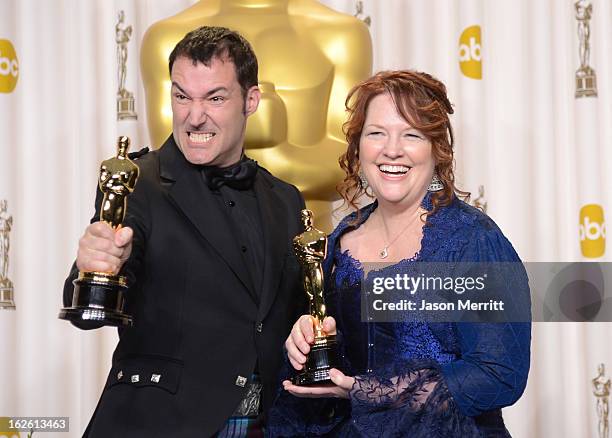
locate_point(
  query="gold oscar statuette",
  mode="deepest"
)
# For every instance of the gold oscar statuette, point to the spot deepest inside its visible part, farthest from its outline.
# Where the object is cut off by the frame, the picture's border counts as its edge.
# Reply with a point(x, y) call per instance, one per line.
point(100, 296)
point(310, 249)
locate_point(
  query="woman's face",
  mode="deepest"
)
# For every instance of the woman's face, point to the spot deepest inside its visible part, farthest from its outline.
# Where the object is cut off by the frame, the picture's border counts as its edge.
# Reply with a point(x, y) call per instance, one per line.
point(395, 158)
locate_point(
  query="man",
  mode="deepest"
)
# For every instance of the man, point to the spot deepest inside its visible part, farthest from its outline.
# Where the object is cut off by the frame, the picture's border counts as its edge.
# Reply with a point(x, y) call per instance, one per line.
point(206, 247)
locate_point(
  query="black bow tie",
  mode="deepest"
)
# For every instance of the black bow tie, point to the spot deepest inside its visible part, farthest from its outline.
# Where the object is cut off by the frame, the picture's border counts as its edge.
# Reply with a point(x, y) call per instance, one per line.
point(239, 176)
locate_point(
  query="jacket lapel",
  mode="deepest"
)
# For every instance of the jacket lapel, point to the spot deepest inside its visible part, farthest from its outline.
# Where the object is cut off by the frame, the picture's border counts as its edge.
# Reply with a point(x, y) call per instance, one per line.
point(195, 200)
point(274, 223)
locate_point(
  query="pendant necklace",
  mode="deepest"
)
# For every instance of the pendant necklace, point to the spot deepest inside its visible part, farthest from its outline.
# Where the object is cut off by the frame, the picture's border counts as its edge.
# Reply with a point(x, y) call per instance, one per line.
point(384, 252)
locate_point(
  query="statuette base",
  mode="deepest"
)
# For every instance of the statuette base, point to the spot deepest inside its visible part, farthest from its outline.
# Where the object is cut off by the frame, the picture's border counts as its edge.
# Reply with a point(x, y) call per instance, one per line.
point(7, 301)
point(323, 357)
point(126, 107)
point(586, 83)
point(98, 297)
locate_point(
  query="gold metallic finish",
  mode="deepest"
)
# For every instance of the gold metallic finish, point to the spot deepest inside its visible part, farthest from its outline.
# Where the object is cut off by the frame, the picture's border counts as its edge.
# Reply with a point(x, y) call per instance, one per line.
point(309, 57)
point(100, 296)
point(118, 177)
point(7, 300)
point(310, 248)
point(271, 107)
point(103, 278)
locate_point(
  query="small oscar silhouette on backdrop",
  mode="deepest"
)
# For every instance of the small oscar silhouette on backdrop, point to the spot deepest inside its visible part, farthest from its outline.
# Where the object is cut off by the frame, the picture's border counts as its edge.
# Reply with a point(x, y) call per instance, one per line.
point(125, 98)
point(601, 391)
point(586, 80)
point(6, 285)
point(100, 296)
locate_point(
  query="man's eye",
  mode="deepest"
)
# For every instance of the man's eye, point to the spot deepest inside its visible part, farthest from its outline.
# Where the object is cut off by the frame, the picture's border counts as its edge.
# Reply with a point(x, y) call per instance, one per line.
point(179, 96)
point(217, 99)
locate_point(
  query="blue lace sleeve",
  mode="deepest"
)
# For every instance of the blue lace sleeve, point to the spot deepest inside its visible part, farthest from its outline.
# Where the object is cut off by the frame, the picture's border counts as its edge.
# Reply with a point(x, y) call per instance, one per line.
point(409, 399)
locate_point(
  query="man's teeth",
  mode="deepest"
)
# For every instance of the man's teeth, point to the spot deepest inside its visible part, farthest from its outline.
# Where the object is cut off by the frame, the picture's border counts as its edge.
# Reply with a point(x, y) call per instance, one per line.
point(200, 138)
point(387, 168)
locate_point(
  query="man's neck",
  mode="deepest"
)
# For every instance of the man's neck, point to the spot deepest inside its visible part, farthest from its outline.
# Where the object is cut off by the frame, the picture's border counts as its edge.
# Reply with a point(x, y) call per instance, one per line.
point(256, 5)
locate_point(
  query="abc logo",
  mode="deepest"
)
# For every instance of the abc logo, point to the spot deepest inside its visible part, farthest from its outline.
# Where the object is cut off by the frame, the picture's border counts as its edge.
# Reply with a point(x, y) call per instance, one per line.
point(9, 67)
point(592, 231)
point(470, 53)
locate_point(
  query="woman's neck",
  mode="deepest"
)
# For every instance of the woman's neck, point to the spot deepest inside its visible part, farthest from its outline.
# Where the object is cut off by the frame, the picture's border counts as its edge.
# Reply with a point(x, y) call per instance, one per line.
point(394, 215)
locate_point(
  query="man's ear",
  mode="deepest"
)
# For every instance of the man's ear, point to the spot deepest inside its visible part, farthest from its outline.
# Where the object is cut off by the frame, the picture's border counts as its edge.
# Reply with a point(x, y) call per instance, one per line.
point(251, 101)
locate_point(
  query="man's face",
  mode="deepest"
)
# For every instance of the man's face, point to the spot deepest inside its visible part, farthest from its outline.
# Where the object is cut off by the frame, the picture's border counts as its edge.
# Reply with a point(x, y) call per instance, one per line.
point(209, 112)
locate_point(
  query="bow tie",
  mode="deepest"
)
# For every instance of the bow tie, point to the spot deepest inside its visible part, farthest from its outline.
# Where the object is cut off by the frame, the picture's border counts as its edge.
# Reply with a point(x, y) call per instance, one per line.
point(239, 176)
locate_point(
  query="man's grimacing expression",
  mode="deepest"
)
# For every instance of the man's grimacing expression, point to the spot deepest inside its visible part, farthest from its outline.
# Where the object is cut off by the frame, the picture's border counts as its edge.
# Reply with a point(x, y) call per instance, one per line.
point(209, 111)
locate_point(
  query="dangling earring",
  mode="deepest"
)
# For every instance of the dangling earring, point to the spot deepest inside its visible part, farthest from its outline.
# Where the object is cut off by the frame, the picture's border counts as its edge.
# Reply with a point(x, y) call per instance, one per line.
point(363, 180)
point(436, 184)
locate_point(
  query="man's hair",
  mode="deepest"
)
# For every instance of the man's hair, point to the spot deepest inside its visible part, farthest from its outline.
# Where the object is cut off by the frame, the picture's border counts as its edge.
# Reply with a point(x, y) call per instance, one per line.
point(208, 42)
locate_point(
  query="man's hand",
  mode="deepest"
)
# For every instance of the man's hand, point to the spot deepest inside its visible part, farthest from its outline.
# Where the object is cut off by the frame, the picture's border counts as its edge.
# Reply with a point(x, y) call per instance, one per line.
point(302, 336)
point(102, 249)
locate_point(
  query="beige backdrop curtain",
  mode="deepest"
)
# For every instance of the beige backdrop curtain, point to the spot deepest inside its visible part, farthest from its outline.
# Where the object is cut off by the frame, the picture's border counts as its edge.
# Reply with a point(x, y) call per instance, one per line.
point(540, 154)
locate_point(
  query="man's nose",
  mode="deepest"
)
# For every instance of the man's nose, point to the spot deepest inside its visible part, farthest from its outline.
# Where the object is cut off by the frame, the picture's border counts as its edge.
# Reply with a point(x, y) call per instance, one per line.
point(198, 114)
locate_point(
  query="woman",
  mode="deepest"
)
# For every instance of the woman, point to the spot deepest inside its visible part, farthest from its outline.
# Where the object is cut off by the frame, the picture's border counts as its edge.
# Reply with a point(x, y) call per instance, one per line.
point(406, 379)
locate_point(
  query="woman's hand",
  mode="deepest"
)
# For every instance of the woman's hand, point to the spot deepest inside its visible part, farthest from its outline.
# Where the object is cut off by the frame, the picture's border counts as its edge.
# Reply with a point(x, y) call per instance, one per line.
point(298, 346)
point(302, 336)
point(340, 389)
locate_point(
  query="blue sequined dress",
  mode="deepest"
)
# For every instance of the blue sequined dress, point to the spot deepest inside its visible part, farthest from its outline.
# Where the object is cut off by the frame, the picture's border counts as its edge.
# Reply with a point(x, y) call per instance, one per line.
point(417, 379)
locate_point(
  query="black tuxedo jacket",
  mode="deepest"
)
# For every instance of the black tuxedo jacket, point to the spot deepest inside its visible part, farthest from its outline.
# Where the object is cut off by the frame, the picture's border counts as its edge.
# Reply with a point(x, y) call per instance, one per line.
point(199, 326)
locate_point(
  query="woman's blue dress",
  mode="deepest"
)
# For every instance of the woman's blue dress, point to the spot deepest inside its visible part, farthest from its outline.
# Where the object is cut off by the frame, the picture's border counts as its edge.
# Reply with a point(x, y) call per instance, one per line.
point(418, 379)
